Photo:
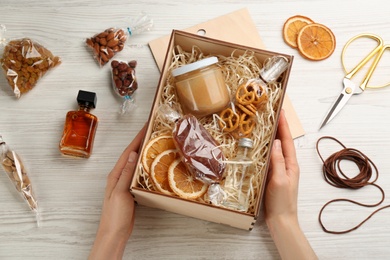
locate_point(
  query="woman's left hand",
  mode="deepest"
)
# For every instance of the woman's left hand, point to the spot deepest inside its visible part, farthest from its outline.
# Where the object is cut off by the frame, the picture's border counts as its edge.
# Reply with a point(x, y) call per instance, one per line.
point(117, 219)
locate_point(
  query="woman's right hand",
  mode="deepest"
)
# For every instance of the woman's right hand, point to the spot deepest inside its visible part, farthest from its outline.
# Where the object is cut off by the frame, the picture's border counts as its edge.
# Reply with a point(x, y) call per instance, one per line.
point(281, 197)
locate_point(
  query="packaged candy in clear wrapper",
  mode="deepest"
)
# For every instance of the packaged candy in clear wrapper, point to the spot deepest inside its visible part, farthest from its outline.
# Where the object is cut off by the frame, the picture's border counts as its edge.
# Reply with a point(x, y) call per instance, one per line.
point(199, 151)
point(17, 174)
point(109, 42)
point(24, 62)
point(124, 83)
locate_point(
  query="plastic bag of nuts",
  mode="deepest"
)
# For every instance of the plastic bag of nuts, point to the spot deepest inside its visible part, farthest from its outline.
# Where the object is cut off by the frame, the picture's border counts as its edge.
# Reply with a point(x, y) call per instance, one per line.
point(109, 42)
point(15, 169)
point(124, 83)
point(24, 62)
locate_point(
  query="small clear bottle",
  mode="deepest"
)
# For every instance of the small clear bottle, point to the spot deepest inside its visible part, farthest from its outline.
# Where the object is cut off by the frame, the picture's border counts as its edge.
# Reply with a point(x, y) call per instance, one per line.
point(272, 69)
point(80, 127)
point(236, 185)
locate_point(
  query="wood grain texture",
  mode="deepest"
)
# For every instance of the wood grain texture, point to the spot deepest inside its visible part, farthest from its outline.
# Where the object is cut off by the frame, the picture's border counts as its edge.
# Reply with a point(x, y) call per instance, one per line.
point(70, 191)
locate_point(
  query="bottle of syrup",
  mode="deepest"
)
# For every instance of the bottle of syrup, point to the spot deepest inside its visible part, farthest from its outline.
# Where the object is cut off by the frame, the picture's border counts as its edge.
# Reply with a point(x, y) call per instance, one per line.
point(80, 127)
point(237, 180)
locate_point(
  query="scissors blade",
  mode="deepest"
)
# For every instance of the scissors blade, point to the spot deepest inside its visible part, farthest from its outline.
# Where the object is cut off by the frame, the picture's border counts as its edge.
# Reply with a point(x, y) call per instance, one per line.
point(345, 95)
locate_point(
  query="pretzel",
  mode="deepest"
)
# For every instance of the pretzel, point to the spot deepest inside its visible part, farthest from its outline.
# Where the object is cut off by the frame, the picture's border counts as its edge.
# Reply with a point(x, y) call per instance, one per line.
point(246, 124)
point(250, 109)
point(251, 92)
point(243, 96)
point(260, 93)
point(230, 120)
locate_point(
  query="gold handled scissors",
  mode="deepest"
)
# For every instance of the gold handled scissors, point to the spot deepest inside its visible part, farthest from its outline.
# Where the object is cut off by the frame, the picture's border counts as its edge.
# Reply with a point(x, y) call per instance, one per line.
point(350, 88)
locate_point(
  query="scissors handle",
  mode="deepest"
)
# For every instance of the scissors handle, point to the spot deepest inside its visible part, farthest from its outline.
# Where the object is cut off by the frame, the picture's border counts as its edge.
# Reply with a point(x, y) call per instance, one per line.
point(378, 51)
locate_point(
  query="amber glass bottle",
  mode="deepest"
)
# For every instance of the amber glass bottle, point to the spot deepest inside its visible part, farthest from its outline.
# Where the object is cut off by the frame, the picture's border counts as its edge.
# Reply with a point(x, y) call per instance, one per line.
point(80, 127)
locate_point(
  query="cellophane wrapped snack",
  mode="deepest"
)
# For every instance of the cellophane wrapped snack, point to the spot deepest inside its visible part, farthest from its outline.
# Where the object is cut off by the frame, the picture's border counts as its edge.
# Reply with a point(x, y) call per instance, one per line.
point(124, 83)
point(24, 62)
point(199, 150)
point(17, 174)
point(106, 44)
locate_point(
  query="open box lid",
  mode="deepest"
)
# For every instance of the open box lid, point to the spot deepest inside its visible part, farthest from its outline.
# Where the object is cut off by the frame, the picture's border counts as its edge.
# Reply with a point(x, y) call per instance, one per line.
point(236, 27)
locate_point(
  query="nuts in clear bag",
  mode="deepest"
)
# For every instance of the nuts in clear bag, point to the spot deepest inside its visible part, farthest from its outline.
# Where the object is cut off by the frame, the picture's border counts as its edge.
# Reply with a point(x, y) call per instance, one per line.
point(106, 44)
point(17, 174)
point(24, 62)
point(123, 77)
point(124, 83)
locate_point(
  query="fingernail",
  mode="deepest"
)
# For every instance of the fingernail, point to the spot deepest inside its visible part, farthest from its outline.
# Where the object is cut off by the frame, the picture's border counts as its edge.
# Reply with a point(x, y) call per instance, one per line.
point(277, 144)
point(132, 157)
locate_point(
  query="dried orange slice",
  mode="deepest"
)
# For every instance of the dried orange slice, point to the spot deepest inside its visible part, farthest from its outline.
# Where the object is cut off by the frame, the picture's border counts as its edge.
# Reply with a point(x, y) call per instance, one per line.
point(316, 42)
point(154, 147)
point(292, 27)
point(159, 170)
point(183, 183)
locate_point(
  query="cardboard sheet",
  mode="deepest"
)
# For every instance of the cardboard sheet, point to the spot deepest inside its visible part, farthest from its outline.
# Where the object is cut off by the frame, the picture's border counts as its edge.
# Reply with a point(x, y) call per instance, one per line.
point(236, 27)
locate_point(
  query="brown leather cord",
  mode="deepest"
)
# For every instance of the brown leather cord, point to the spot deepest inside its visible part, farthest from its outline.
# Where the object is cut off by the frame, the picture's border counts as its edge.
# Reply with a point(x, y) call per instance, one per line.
point(334, 175)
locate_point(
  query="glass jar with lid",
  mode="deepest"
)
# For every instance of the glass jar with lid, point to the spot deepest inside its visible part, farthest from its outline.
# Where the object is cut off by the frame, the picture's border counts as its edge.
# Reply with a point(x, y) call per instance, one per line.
point(201, 87)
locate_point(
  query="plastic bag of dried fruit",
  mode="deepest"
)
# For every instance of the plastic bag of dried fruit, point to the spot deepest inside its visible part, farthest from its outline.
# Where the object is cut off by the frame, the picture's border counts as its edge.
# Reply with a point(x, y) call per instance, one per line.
point(124, 83)
point(106, 44)
point(16, 171)
point(24, 62)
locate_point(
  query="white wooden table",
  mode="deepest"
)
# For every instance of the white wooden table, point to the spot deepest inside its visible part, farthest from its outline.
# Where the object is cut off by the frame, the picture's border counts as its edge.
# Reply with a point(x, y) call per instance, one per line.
point(70, 191)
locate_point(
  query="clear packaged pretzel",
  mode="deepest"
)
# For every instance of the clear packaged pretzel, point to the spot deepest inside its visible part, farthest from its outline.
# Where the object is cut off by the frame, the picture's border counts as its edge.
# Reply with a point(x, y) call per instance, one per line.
point(24, 62)
point(106, 44)
point(239, 119)
point(17, 174)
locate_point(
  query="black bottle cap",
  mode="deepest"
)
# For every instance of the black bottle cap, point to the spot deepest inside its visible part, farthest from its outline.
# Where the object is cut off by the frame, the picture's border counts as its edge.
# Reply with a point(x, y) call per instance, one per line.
point(87, 98)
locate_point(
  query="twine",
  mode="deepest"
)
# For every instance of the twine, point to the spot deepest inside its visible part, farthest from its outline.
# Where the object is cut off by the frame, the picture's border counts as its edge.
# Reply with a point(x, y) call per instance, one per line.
point(334, 175)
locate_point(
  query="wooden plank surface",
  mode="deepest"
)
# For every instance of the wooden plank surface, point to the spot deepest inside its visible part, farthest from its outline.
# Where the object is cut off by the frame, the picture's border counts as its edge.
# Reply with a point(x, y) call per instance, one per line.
point(70, 191)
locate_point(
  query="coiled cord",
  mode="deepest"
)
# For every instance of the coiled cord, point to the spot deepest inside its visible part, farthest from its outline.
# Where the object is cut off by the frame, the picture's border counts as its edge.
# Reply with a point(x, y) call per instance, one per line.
point(334, 175)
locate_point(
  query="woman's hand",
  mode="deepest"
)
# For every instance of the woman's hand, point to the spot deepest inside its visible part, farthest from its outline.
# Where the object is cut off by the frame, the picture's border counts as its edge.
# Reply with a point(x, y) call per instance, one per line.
point(281, 198)
point(283, 177)
point(117, 219)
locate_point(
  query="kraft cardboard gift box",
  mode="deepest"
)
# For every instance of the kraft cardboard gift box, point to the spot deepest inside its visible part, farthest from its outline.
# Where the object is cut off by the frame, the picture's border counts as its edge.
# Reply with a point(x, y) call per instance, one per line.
point(193, 208)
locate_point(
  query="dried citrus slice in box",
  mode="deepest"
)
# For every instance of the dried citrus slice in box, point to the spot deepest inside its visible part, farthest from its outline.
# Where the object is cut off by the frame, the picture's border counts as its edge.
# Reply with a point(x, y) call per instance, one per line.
point(183, 183)
point(154, 147)
point(292, 27)
point(316, 41)
point(159, 170)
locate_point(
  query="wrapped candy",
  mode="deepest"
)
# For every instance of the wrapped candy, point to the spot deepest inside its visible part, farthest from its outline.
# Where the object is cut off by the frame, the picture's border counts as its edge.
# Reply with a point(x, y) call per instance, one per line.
point(106, 44)
point(199, 151)
point(124, 83)
point(24, 62)
point(16, 171)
